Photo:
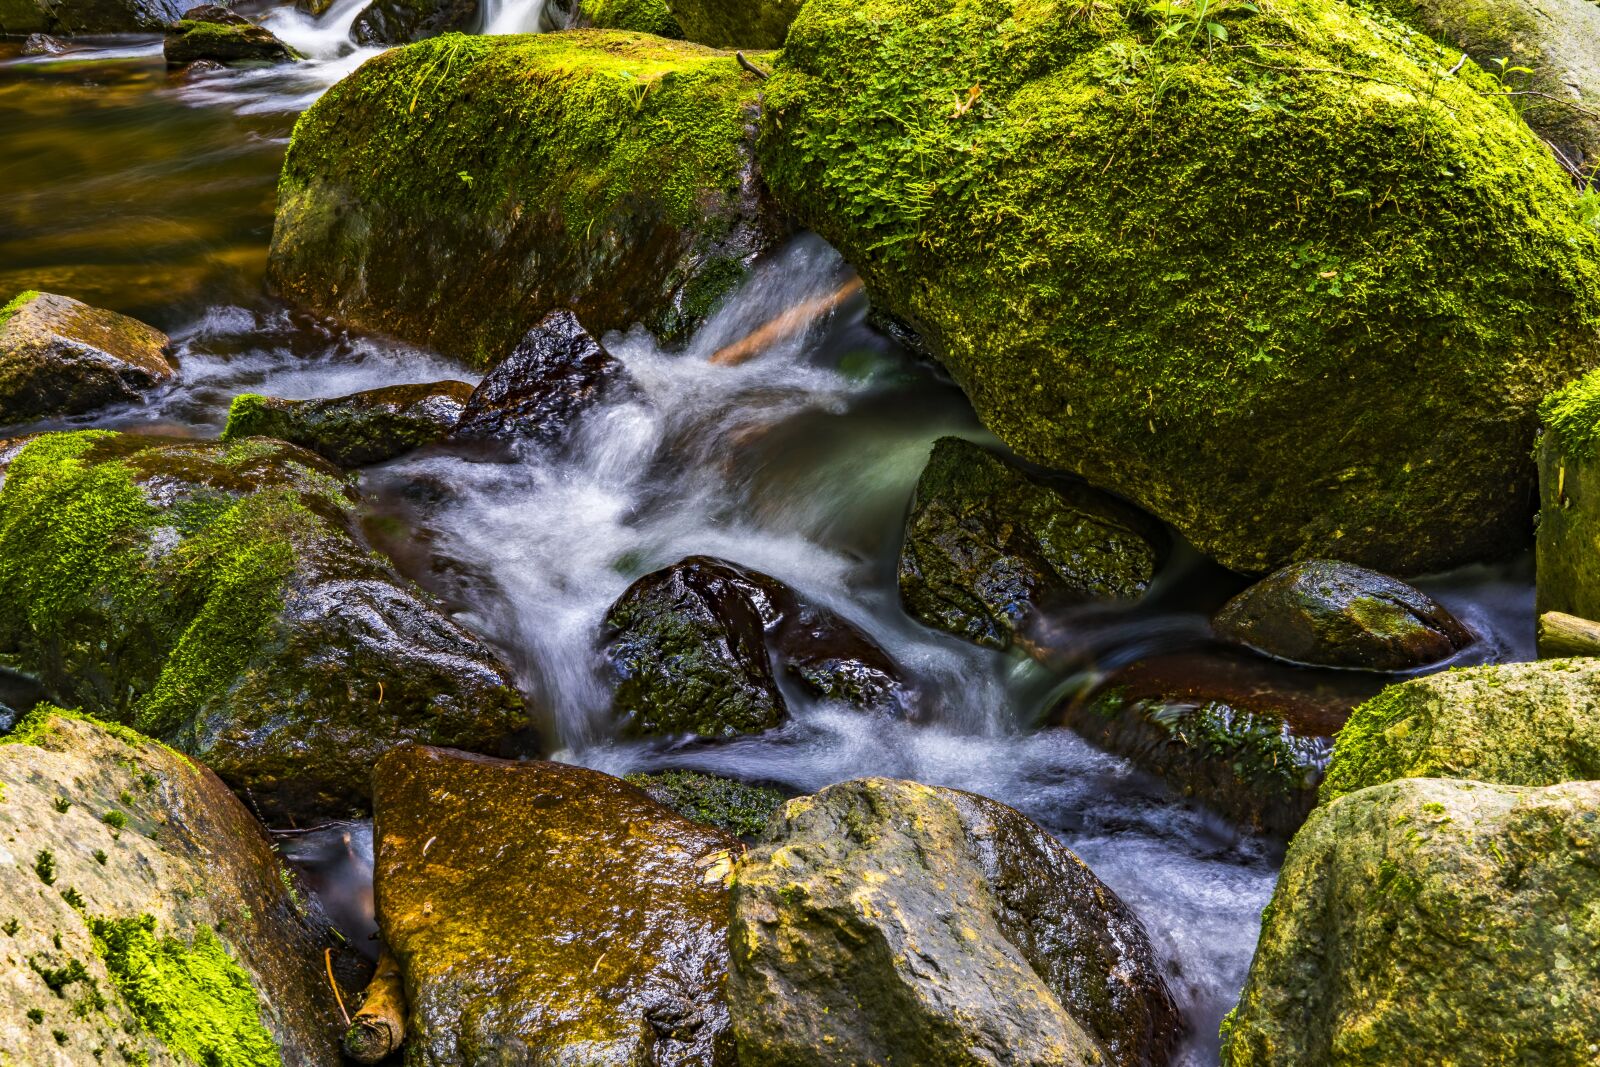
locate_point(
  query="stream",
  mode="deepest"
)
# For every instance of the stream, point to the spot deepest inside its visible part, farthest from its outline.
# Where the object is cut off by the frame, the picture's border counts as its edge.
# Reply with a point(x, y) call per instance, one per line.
point(131, 189)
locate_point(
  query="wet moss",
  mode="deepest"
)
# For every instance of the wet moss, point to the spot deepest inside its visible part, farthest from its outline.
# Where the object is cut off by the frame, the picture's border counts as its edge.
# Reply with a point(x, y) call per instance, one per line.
point(16, 304)
point(737, 807)
point(641, 16)
point(1572, 413)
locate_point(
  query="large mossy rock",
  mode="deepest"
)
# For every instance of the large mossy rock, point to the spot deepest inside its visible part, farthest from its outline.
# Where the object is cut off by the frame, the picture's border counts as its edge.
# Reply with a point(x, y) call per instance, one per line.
point(59, 356)
point(1557, 40)
point(355, 430)
point(637, 16)
point(1434, 921)
point(1326, 613)
point(217, 34)
point(87, 16)
point(1298, 294)
point(146, 917)
point(402, 21)
point(220, 598)
point(889, 922)
point(988, 546)
point(549, 914)
point(1511, 723)
point(736, 23)
point(603, 171)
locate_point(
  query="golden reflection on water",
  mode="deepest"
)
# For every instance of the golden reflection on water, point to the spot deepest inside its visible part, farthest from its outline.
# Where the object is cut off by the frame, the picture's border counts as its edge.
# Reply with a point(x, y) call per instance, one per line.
point(116, 191)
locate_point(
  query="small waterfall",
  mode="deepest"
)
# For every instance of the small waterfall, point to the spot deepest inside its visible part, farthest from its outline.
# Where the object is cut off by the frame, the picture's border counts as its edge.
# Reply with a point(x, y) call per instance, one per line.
point(325, 36)
point(513, 16)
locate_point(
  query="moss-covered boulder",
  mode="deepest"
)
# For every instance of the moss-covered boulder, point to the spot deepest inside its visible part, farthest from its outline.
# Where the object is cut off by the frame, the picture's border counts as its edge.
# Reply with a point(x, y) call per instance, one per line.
point(602, 171)
point(59, 356)
point(1437, 921)
point(1511, 723)
point(1330, 614)
point(211, 32)
point(220, 597)
point(355, 430)
point(549, 914)
point(403, 21)
point(728, 804)
point(692, 647)
point(988, 546)
point(146, 918)
point(1568, 537)
point(1554, 41)
point(736, 23)
point(638, 16)
point(883, 921)
point(19, 17)
point(1297, 292)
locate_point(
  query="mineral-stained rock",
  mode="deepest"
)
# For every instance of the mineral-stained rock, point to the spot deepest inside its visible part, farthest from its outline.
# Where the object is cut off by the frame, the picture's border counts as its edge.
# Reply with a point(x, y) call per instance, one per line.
point(1443, 922)
point(548, 914)
point(888, 922)
point(59, 356)
point(353, 431)
point(146, 918)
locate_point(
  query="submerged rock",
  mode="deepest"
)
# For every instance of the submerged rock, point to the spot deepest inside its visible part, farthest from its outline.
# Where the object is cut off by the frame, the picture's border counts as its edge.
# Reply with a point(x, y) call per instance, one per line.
point(220, 598)
point(62, 357)
point(543, 913)
point(1172, 316)
point(736, 23)
point(988, 546)
point(1330, 614)
point(730, 805)
point(1510, 723)
point(353, 431)
point(86, 16)
point(884, 922)
point(557, 372)
point(1453, 920)
point(42, 44)
point(691, 649)
point(218, 34)
point(1567, 551)
point(600, 171)
point(402, 21)
point(147, 919)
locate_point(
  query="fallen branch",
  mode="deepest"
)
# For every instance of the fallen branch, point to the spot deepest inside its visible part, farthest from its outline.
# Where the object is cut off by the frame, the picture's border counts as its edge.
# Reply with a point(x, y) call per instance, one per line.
point(380, 1026)
point(751, 67)
point(784, 326)
point(1562, 635)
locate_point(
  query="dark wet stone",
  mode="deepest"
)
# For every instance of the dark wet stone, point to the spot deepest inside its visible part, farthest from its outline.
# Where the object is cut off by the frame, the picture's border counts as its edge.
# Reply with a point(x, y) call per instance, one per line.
point(222, 16)
point(988, 546)
point(1246, 737)
point(353, 431)
point(59, 356)
point(403, 21)
point(86, 16)
point(691, 648)
point(736, 807)
point(42, 44)
point(220, 597)
point(543, 913)
point(221, 36)
point(883, 921)
point(555, 374)
point(1331, 614)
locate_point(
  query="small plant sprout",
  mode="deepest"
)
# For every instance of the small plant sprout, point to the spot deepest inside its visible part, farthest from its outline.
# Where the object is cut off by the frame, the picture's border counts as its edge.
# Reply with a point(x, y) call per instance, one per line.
point(44, 865)
point(62, 804)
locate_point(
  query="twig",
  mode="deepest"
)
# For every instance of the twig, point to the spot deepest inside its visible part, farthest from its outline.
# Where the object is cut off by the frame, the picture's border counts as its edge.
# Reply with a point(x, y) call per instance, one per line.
point(327, 958)
point(1459, 64)
point(751, 67)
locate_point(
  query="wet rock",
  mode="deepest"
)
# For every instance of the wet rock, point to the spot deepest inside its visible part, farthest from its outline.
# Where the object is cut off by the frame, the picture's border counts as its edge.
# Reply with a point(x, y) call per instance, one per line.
point(736, 807)
point(1248, 738)
point(731, 24)
point(1568, 537)
point(62, 357)
point(988, 546)
point(42, 44)
point(220, 598)
point(1450, 919)
point(1510, 723)
point(64, 17)
point(536, 177)
point(691, 648)
point(402, 21)
point(217, 34)
point(353, 431)
point(146, 916)
point(543, 913)
point(884, 921)
point(1236, 376)
point(1330, 614)
point(537, 393)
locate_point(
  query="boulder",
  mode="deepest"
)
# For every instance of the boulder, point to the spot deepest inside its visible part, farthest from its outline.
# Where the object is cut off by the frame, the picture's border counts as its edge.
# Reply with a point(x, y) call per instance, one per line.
point(735, 807)
point(1247, 738)
point(385, 22)
point(601, 171)
point(220, 597)
point(1554, 40)
point(218, 35)
point(1511, 723)
point(1330, 614)
point(883, 921)
point(731, 24)
point(537, 393)
point(691, 648)
point(87, 16)
point(1568, 536)
point(549, 914)
point(62, 357)
point(989, 546)
point(353, 431)
point(640, 16)
point(42, 44)
point(1452, 920)
point(1244, 318)
point(147, 919)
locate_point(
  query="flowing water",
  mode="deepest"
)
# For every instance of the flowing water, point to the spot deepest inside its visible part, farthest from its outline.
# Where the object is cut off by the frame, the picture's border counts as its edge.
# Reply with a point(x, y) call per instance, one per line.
point(153, 196)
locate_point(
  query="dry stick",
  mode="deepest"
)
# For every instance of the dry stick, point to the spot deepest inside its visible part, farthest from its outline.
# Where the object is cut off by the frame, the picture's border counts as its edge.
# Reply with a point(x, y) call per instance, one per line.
point(327, 959)
point(1562, 635)
point(751, 67)
point(380, 1025)
point(784, 326)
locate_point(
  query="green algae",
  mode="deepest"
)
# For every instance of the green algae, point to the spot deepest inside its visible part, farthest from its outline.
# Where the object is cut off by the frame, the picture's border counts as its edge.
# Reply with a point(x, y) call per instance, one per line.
point(194, 997)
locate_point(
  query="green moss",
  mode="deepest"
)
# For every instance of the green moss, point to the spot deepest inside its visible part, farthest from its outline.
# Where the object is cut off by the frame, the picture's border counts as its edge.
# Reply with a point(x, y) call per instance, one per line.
point(642, 16)
point(737, 807)
point(1572, 413)
point(44, 865)
point(16, 303)
point(194, 997)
